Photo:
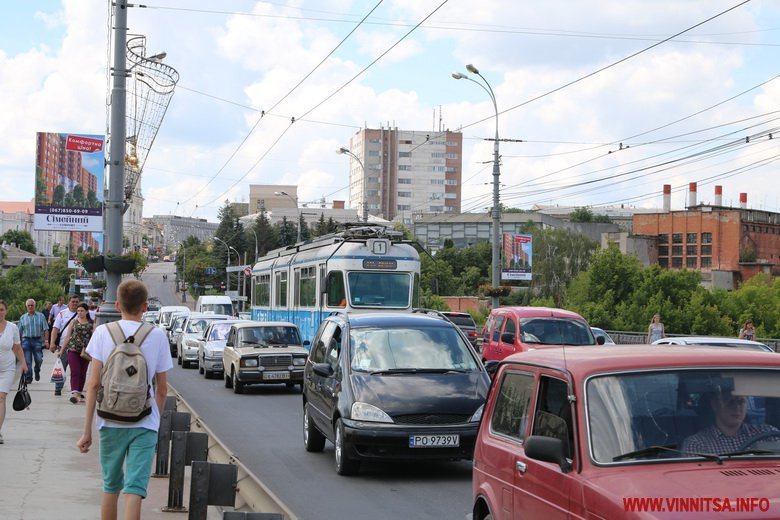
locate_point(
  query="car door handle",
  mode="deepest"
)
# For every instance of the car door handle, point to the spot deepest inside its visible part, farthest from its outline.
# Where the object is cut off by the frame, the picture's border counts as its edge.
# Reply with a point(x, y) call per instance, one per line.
point(521, 466)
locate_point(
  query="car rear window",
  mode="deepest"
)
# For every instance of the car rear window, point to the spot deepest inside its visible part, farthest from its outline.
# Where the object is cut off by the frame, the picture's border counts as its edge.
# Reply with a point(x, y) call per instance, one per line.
point(461, 320)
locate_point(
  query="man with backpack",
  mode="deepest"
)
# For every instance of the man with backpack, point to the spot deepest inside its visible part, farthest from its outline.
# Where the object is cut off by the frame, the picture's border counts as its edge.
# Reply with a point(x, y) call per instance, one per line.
point(134, 356)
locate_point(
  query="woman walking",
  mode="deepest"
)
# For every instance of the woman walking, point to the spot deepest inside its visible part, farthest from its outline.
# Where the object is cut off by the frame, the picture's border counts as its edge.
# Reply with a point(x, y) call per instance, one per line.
point(80, 333)
point(748, 332)
point(10, 352)
point(655, 330)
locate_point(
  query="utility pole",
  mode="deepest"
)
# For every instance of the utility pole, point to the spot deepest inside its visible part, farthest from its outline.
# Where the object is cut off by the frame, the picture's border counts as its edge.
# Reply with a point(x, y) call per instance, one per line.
point(112, 238)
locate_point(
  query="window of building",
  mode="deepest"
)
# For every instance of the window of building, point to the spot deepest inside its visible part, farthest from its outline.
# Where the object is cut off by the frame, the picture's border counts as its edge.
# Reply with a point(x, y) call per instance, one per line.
point(706, 262)
point(663, 250)
point(404, 193)
point(372, 193)
point(677, 250)
point(372, 179)
point(437, 155)
point(691, 238)
point(373, 141)
point(663, 239)
point(436, 209)
point(690, 262)
point(437, 168)
point(404, 207)
point(676, 238)
point(373, 153)
point(435, 196)
point(450, 195)
point(450, 156)
point(451, 169)
point(404, 181)
point(691, 250)
point(706, 238)
point(663, 262)
point(452, 143)
point(404, 141)
point(404, 167)
point(677, 262)
point(451, 182)
point(706, 250)
point(437, 181)
point(404, 154)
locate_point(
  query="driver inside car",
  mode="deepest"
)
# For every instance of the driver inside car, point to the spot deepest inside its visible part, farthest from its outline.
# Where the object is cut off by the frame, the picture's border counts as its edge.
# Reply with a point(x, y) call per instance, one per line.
point(729, 433)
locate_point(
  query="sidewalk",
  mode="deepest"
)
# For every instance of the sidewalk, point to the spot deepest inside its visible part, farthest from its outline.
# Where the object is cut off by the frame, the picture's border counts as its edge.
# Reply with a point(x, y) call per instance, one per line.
point(42, 473)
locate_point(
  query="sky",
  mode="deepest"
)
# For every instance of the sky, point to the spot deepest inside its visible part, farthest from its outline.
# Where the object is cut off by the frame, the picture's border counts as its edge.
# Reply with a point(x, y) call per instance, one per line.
point(599, 102)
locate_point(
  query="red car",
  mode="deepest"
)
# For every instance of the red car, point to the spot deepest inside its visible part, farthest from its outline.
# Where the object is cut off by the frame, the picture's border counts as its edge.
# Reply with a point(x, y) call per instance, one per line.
point(628, 433)
point(517, 329)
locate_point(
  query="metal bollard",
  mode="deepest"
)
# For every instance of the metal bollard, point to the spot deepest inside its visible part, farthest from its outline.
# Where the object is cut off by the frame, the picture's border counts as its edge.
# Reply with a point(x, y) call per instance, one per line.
point(240, 515)
point(211, 484)
point(186, 447)
point(169, 421)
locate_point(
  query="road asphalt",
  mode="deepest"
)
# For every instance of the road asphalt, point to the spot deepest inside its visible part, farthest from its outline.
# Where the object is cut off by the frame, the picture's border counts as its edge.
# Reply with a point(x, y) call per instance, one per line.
point(42, 473)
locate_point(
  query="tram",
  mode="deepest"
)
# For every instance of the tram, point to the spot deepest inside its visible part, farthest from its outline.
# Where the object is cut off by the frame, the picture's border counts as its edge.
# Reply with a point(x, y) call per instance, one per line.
point(362, 269)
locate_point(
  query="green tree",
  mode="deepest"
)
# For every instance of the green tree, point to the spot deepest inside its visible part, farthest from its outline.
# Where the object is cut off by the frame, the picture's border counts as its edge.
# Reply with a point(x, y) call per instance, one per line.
point(558, 257)
point(92, 200)
point(267, 236)
point(581, 215)
point(22, 239)
point(286, 232)
point(79, 197)
point(58, 195)
point(40, 188)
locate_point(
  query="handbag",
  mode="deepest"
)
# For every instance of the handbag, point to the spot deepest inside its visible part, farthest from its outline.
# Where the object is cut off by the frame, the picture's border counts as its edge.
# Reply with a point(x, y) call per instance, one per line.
point(22, 398)
point(84, 355)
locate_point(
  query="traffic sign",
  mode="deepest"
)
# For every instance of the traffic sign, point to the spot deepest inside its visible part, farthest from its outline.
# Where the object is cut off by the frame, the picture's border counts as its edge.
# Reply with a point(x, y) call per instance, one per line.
point(211, 270)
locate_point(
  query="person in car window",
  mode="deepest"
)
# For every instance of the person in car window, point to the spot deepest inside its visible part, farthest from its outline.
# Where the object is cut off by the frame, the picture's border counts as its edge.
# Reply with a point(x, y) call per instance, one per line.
point(361, 359)
point(730, 433)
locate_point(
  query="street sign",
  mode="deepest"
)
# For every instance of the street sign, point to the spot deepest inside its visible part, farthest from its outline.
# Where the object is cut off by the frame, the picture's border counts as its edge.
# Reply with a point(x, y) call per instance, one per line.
point(208, 286)
point(83, 281)
point(237, 268)
point(211, 270)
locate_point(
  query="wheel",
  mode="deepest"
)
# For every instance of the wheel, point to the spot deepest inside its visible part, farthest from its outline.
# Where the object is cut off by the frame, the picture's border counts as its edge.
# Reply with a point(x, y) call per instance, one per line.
point(313, 439)
point(238, 386)
point(228, 381)
point(185, 363)
point(345, 465)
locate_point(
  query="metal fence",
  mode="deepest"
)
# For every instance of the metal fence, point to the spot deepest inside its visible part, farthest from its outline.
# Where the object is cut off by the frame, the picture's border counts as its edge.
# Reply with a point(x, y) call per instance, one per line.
point(634, 338)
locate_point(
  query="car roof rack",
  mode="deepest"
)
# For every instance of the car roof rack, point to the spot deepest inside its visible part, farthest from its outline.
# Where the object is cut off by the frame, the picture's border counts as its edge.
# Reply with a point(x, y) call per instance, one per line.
point(431, 312)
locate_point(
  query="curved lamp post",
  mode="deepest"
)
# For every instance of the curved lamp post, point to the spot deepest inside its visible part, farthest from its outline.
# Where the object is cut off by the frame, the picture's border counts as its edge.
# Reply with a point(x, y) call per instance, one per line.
point(345, 151)
point(295, 201)
point(496, 213)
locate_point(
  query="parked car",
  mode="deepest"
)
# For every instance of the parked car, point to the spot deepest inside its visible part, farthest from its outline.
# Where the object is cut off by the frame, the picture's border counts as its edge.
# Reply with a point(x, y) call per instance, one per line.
point(715, 342)
point(465, 322)
point(262, 353)
point(166, 315)
point(517, 329)
point(601, 333)
point(192, 336)
point(175, 330)
point(576, 432)
point(392, 386)
point(214, 303)
point(151, 317)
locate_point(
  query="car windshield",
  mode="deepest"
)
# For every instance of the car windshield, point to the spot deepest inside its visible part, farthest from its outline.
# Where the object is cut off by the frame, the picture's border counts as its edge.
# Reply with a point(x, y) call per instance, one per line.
point(217, 308)
point(420, 348)
point(270, 335)
point(379, 289)
point(219, 331)
point(150, 317)
point(179, 322)
point(197, 325)
point(683, 414)
point(556, 331)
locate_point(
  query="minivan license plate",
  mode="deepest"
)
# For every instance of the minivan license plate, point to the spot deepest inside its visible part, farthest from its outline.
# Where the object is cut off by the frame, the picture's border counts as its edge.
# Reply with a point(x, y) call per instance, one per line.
point(276, 375)
point(434, 441)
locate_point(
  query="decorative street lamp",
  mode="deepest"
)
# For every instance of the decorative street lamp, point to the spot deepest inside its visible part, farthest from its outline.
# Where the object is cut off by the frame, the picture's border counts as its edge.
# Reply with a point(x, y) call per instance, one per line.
point(496, 212)
point(345, 151)
point(295, 201)
point(227, 273)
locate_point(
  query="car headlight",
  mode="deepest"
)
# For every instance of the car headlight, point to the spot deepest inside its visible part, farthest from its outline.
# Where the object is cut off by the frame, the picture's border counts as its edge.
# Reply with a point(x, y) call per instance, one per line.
point(249, 362)
point(299, 361)
point(369, 412)
point(478, 414)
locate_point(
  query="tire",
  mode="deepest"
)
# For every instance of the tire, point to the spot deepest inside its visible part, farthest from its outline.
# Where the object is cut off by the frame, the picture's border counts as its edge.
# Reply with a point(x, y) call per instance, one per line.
point(228, 381)
point(345, 465)
point(313, 439)
point(238, 386)
point(185, 363)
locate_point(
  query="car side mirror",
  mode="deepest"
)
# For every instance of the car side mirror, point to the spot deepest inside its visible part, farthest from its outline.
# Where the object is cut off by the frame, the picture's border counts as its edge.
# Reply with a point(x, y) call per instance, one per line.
point(228, 343)
point(323, 369)
point(491, 367)
point(508, 337)
point(547, 449)
point(306, 343)
point(179, 330)
point(600, 340)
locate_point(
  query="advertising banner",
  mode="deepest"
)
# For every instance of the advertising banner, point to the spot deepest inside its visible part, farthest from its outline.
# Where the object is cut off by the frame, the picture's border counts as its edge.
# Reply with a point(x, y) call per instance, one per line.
point(69, 182)
point(517, 257)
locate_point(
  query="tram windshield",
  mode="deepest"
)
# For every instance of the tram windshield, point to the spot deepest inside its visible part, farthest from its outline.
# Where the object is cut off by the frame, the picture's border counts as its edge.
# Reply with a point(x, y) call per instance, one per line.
point(379, 289)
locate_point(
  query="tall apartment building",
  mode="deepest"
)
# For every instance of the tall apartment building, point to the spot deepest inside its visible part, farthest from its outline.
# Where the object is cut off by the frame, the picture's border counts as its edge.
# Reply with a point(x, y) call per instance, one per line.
point(406, 172)
point(60, 166)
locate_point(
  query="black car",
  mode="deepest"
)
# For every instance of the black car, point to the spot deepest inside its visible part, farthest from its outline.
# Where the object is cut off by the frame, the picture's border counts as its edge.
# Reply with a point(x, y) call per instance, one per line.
point(392, 386)
point(465, 322)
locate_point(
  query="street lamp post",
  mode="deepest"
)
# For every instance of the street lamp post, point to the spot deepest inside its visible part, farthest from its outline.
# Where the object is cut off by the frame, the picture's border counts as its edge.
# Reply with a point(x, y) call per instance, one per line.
point(345, 151)
point(496, 212)
point(295, 201)
point(252, 229)
point(227, 273)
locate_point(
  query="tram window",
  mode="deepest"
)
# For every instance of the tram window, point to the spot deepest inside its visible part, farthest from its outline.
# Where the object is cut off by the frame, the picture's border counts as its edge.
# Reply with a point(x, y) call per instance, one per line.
point(306, 294)
point(336, 295)
point(281, 290)
point(263, 290)
point(368, 289)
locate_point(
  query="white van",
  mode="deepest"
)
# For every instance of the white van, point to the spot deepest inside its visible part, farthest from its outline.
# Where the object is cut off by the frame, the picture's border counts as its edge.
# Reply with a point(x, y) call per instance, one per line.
point(215, 304)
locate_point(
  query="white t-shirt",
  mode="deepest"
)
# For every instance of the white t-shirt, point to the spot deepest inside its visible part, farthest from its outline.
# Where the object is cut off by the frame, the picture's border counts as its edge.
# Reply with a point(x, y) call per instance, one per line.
point(61, 323)
point(157, 354)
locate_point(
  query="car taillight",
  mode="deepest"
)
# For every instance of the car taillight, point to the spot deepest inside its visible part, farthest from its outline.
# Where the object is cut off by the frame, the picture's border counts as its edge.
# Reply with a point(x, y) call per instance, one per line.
point(472, 333)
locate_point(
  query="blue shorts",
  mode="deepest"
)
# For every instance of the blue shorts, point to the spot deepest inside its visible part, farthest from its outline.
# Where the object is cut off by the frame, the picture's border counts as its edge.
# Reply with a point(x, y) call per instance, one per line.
point(126, 456)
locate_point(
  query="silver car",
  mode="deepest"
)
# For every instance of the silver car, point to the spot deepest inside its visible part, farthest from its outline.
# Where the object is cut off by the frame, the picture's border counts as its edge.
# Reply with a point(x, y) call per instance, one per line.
point(193, 329)
point(212, 345)
point(714, 342)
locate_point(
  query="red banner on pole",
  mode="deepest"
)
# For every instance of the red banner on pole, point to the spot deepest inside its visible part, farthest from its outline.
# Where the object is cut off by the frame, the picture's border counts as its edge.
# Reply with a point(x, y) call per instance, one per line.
point(83, 144)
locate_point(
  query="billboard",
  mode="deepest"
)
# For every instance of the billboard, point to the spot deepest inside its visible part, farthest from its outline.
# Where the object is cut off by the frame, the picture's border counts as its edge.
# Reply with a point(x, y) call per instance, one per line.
point(69, 182)
point(517, 257)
